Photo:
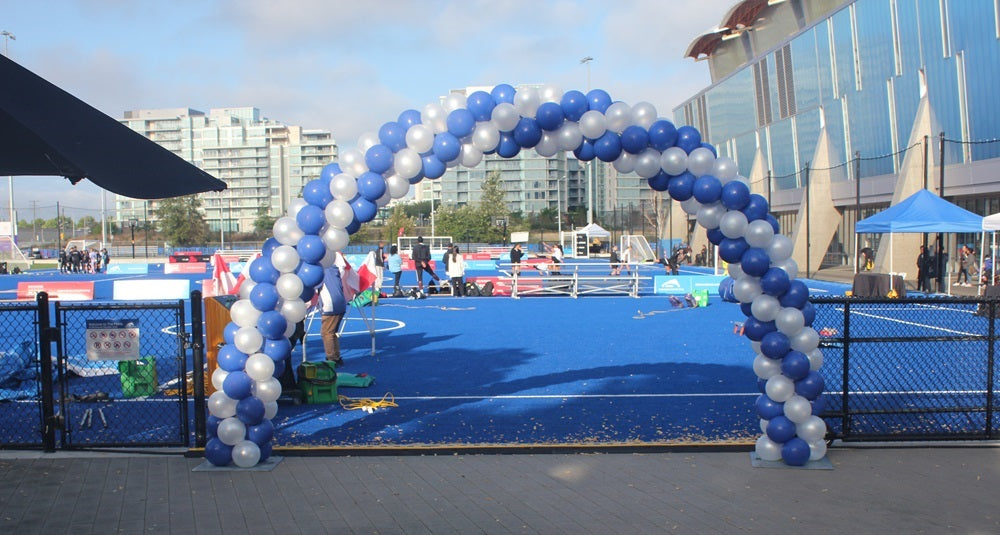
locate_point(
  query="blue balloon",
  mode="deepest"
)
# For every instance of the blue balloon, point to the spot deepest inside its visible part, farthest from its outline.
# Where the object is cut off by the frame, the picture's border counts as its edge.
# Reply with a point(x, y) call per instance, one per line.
point(329, 171)
point(316, 193)
point(371, 186)
point(311, 273)
point(767, 408)
point(311, 248)
point(307, 294)
point(658, 182)
point(212, 426)
point(503, 93)
point(261, 432)
point(745, 309)
point(682, 186)
point(762, 385)
point(250, 411)
point(756, 208)
point(755, 262)
point(269, 246)
point(774, 223)
point(272, 325)
point(780, 429)
point(433, 166)
point(229, 332)
point(711, 148)
point(774, 282)
point(796, 295)
point(775, 345)
point(585, 152)
point(707, 189)
point(755, 330)
point(508, 148)
point(715, 235)
point(599, 99)
point(446, 148)
point(392, 135)
point(688, 138)
point(662, 135)
point(811, 386)
point(266, 450)
point(527, 133)
point(354, 226)
point(735, 195)
point(481, 104)
point(261, 270)
point(408, 119)
point(574, 105)
point(550, 116)
point(795, 452)
point(378, 158)
point(264, 296)
point(416, 179)
point(635, 139)
point(237, 385)
point(218, 453)
point(731, 250)
point(809, 314)
point(795, 365)
point(819, 404)
point(231, 359)
point(310, 219)
point(461, 122)
point(364, 210)
point(278, 349)
point(608, 147)
point(279, 368)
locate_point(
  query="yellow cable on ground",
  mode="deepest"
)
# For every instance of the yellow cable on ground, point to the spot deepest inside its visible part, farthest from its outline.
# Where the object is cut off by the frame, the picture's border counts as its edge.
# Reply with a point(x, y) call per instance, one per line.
point(366, 404)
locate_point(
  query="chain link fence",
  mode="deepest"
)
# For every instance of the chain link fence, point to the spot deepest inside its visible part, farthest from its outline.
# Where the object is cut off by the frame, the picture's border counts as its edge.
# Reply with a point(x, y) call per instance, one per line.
point(20, 387)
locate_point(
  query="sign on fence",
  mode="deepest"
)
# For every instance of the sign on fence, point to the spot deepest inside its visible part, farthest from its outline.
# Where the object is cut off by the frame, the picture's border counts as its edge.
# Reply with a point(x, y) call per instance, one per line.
point(113, 339)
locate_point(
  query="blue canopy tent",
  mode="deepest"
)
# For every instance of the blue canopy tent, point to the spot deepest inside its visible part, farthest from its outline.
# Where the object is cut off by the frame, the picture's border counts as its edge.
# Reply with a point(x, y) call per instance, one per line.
point(921, 212)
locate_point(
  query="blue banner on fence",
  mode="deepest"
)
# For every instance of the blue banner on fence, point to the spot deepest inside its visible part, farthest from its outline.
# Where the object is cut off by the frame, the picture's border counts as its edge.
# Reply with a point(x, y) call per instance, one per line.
point(480, 265)
point(128, 269)
point(685, 284)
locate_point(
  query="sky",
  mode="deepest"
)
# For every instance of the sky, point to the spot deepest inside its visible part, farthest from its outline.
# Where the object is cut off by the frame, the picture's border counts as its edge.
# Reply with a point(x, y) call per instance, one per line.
point(343, 66)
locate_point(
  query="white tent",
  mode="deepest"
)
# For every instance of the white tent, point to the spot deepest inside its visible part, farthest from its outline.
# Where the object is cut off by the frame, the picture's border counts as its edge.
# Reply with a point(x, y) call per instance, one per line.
point(594, 230)
point(991, 224)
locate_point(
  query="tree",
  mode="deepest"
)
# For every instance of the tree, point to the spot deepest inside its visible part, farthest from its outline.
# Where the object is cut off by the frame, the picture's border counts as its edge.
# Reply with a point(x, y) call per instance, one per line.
point(397, 220)
point(181, 221)
point(263, 225)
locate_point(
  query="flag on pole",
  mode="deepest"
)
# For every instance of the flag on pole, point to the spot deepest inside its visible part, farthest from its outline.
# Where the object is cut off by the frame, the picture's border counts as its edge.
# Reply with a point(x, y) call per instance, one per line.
point(368, 273)
point(243, 274)
point(223, 282)
point(348, 277)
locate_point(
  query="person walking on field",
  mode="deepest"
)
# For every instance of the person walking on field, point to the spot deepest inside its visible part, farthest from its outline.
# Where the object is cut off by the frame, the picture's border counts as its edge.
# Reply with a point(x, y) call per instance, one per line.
point(456, 272)
point(422, 262)
point(395, 264)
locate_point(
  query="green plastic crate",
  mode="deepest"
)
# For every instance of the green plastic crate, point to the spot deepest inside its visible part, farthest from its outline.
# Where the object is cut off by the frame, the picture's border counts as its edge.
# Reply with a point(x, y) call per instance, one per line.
point(318, 371)
point(701, 296)
point(138, 377)
point(318, 393)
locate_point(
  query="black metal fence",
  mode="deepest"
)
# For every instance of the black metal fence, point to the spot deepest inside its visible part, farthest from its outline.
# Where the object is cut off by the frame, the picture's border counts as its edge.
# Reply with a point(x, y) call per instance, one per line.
point(20, 376)
point(909, 369)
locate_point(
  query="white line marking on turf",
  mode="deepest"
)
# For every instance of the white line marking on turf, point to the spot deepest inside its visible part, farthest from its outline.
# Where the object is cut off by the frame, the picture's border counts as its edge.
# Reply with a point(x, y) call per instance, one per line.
point(912, 323)
point(583, 396)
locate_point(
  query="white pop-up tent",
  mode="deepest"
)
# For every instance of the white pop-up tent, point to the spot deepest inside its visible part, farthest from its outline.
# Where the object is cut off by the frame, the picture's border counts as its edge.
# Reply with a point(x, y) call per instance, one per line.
point(991, 224)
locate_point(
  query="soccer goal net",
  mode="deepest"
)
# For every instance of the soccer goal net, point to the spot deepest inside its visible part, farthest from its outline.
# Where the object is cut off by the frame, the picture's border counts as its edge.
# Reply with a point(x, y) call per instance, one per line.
point(11, 256)
point(640, 250)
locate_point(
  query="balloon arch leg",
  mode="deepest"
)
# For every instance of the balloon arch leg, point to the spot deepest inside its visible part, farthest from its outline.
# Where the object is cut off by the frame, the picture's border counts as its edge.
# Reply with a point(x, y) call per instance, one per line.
point(421, 145)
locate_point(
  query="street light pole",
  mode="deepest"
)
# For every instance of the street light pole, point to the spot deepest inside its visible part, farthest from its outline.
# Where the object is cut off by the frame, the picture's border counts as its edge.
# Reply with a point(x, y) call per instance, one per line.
point(590, 165)
point(132, 222)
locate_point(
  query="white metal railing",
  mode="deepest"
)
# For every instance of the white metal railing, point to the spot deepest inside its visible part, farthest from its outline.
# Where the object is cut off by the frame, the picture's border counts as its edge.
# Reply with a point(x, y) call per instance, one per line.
point(585, 281)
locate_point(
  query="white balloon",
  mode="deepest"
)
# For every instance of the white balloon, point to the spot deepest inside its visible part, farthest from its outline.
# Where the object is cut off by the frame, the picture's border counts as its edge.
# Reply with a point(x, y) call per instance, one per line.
point(817, 450)
point(643, 114)
point(246, 454)
point(700, 161)
point(798, 409)
point(486, 136)
point(815, 359)
point(733, 224)
point(245, 288)
point(330, 257)
point(647, 163)
point(218, 377)
point(812, 430)
point(220, 405)
point(289, 286)
point(790, 321)
point(248, 340)
point(285, 258)
point(673, 161)
point(618, 117)
point(710, 215)
point(505, 117)
point(338, 213)
point(725, 169)
point(548, 146)
point(690, 206)
point(550, 93)
point(289, 326)
point(335, 239)
point(243, 313)
point(434, 116)
point(593, 124)
point(806, 340)
point(569, 136)
point(384, 199)
point(295, 205)
point(766, 368)
point(269, 390)
point(470, 155)
point(747, 289)
point(420, 138)
point(366, 141)
point(398, 187)
point(625, 163)
point(789, 266)
point(231, 431)
point(270, 410)
point(408, 163)
point(453, 102)
point(767, 449)
point(260, 367)
point(293, 310)
point(287, 231)
point(526, 101)
point(735, 270)
point(765, 307)
point(762, 424)
point(780, 248)
point(352, 161)
point(780, 388)
point(759, 234)
point(343, 187)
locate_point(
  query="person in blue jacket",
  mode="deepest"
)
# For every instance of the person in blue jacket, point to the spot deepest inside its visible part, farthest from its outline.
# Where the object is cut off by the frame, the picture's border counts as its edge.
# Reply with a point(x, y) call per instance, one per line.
point(395, 264)
point(334, 308)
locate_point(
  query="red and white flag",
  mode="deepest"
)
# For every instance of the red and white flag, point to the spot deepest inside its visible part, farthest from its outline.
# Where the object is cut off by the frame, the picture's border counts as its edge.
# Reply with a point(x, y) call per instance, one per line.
point(357, 280)
point(223, 282)
point(243, 274)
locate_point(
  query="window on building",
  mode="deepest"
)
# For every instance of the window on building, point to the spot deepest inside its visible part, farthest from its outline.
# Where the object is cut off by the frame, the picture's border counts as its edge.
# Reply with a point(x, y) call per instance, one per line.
point(762, 93)
point(786, 82)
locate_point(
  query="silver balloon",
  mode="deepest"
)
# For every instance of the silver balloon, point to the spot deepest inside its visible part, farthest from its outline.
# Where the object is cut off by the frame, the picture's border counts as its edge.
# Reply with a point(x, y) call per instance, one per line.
point(647, 163)
point(420, 138)
point(779, 388)
point(710, 215)
point(766, 368)
point(453, 102)
point(733, 224)
point(526, 101)
point(367, 140)
point(789, 266)
point(434, 116)
point(343, 187)
point(407, 163)
point(762, 425)
point(231, 431)
point(218, 377)
point(790, 321)
point(289, 326)
point(724, 168)
point(690, 206)
point(618, 117)
point(285, 258)
point(735, 270)
point(746, 290)
point(287, 231)
point(817, 450)
point(244, 314)
point(643, 114)
point(485, 137)
point(569, 136)
point(548, 146)
point(268, 390)
point(798, 409)
point(767, 449)
point(270, 410)
point(246, 454)
point(780, 248)
point(398, 187)
point(593, 124)
point(505, 117)
point(220, 405)
point(759, 234)
point(806, 340)
point(673, 161)
point(700, 161)
point(293, 310)
point(339, 213)
point(260, 367)
point(248, 340)
point(352, 161)
point(765, 307)
point(625, 163)
point(755, 346)
point(295, 205)
point(330, 257)
point(812, 430)
point(335, 239)
point(550, 93)
point(245, 288)
point(289, 286)
point(815, 359)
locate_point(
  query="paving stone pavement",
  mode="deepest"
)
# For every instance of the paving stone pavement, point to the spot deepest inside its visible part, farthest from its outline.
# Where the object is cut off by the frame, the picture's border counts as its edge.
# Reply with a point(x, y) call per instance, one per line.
point(870, 490)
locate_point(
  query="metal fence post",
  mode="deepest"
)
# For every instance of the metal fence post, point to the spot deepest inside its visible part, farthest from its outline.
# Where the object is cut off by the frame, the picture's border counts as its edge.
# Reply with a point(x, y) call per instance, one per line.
point(198, 371)
point(845, 423)
point(991, 307)
point(46, 335)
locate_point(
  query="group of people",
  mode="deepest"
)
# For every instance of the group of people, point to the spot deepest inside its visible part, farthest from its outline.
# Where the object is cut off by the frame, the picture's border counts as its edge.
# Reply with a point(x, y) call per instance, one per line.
point(73, 260)
point(932, 267)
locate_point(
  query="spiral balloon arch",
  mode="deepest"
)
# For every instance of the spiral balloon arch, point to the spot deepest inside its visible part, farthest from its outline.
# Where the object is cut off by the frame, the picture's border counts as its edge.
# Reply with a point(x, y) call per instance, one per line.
point(460, 131)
